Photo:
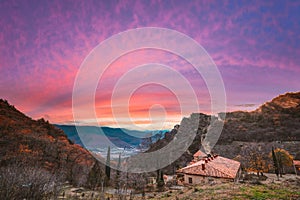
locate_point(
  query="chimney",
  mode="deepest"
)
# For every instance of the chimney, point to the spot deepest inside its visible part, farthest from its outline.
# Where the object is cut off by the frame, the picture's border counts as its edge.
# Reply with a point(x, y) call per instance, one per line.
point(206, 161)
point(203, 166)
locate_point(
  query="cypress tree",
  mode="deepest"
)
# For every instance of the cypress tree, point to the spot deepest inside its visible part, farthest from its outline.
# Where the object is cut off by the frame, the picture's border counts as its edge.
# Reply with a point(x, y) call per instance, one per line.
point(275, 163)
point(118, 173)
point(107, 167)
point(160, 179)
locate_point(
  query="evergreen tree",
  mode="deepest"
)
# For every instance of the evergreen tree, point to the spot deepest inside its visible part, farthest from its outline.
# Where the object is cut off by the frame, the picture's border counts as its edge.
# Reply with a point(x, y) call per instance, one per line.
point(95, 175)
point(160, 179)
point(107, 168)
point(275, 163)
point(118, 174)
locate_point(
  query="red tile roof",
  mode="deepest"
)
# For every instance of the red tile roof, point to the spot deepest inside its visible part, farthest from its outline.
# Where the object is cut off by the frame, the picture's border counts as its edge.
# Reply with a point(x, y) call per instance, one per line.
point(296, 162)
point(199, 154)
point(218, 167)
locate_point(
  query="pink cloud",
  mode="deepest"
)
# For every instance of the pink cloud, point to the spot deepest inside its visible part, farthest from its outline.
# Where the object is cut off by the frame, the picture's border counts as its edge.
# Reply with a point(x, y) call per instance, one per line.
point(42, 46)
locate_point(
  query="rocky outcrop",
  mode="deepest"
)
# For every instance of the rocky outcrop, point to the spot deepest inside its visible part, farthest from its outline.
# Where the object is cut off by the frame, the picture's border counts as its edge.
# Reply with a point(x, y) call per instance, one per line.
point(275, 123)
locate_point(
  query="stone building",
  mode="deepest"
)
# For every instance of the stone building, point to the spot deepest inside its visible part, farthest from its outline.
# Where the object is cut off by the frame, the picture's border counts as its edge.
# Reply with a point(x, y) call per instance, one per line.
point(205, 168)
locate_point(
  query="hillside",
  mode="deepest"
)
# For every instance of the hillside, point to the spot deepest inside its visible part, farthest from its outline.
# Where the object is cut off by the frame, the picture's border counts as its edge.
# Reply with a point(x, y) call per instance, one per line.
point(277, 120)
point(275, 123)
point(29, 143)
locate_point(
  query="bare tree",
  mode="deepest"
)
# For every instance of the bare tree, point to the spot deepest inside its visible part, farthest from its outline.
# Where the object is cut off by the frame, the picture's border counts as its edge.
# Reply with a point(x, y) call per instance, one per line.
point(283, 159)
point(19, 182)
point(254, 159)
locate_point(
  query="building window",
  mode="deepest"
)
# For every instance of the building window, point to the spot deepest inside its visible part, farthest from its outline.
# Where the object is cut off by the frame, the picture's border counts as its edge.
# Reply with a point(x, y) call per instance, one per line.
point(190, 180)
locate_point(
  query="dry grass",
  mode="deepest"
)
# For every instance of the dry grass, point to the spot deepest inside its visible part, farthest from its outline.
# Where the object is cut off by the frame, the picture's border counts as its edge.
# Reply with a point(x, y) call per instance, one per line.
point(235, 191)
point(286, 188)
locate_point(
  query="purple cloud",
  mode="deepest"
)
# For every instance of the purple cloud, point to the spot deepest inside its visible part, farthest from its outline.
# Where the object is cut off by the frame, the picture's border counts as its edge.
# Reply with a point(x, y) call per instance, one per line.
point(43, 43)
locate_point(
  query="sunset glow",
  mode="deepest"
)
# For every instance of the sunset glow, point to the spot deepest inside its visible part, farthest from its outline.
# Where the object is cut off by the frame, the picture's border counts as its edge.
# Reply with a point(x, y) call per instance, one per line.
point(255, 46)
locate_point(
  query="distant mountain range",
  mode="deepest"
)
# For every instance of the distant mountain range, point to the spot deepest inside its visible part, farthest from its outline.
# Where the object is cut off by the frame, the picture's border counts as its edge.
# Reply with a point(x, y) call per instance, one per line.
point(92, 136)
point(96, 134)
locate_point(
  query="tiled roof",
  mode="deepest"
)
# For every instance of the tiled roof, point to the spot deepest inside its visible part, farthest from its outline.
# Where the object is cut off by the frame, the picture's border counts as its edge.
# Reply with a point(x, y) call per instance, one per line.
point(296, 162)
point(199, 154)
point(218, 167)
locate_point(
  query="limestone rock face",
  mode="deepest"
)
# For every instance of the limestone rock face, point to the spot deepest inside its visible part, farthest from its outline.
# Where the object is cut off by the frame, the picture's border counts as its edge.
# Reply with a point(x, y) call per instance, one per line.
point(275, 123)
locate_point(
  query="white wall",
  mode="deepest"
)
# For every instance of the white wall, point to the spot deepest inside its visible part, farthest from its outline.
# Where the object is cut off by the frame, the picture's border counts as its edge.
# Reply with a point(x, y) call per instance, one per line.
point(203, 180)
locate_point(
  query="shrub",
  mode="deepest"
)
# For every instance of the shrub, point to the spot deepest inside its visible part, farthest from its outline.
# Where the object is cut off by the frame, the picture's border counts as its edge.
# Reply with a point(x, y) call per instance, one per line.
point(19, 182)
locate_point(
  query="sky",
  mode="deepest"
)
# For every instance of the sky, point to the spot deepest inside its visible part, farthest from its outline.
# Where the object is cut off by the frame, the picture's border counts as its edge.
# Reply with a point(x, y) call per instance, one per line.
point(254, 44)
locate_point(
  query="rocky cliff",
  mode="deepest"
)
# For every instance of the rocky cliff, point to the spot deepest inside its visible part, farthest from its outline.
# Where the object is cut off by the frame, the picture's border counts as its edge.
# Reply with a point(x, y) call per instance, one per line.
point(275, 123)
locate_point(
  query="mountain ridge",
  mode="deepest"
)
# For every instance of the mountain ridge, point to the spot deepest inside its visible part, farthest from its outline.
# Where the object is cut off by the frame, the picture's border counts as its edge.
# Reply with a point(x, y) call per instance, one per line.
point(274, 123)
point(120, 137)
point(37, 143)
